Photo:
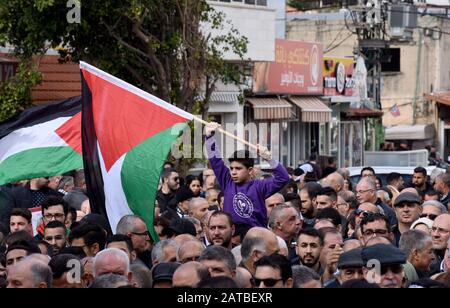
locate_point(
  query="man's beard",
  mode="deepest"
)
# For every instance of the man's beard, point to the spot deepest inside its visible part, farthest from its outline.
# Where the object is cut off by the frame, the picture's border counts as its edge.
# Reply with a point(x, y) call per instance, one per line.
point(309, 264)
point(309, 213)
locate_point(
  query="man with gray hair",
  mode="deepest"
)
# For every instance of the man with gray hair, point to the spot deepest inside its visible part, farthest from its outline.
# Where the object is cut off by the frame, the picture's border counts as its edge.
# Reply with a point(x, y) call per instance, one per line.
point(418, 247)
point(305, 278)
point(257, 243)
point(273, 201)
point(198, 208)
point(112, 261)
point(190, 251)
point(442, 185)
point(366, 191)
point(219, 261)
point(29, 273)
point(135, 227)
point(165, 251)
point(432, 209)
point(286, 222)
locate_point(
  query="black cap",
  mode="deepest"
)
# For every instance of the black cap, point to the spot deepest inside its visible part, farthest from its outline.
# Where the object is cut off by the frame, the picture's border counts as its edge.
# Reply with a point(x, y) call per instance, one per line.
point(385, 254)
point(164, 271)
point(97, 219)
point(183, 226)
point(408, 197)
point(351, 258)
point(184, 193)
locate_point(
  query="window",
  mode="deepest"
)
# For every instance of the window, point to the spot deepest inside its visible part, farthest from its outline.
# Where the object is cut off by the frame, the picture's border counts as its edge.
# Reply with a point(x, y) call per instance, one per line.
point(249, 2)
point(390, 60)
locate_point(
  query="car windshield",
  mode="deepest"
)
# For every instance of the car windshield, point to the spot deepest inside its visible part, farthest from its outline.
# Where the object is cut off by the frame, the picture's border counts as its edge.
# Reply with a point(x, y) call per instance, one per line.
point(406, 177)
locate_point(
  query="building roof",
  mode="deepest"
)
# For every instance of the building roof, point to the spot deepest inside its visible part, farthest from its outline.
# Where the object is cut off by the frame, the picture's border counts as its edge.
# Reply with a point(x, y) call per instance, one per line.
point(441, 97)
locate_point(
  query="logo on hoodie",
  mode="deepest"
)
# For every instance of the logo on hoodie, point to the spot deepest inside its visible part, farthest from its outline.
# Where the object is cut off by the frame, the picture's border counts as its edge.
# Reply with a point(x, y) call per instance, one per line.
point(242, 205)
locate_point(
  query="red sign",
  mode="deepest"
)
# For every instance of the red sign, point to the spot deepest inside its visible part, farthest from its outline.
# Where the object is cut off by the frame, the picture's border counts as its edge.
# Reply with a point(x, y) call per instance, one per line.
point(297, 70)
point(337, 76)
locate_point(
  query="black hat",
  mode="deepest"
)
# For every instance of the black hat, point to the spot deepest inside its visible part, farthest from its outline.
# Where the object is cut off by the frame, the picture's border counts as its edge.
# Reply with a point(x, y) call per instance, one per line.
point(183, 226)
point(408, 197)
point(385, 254)
point(164, 271)
point(351, 258)
point(97, 219)
point(184, 193)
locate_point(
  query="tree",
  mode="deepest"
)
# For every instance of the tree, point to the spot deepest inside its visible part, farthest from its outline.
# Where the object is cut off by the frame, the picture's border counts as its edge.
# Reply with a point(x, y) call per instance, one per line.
point(157, 45)
point(15, 93)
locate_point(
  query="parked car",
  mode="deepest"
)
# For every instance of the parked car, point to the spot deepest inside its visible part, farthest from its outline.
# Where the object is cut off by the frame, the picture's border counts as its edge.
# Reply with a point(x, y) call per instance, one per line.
point(383, 171)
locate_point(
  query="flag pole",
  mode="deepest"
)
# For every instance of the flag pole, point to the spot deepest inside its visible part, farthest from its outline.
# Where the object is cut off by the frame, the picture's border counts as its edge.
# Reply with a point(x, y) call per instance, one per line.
point(227, 133)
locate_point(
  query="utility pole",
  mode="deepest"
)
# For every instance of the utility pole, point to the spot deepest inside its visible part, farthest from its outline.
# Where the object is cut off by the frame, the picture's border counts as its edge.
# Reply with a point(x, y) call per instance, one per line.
point(370, 20)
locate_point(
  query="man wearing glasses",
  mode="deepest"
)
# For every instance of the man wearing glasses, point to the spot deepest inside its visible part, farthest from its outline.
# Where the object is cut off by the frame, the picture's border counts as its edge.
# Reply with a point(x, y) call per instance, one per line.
point(432, 209)
point(135, 227)
point(273, 271)
point(375, 225)
point(366, 192)
point(167, 194)
point(53, 209)
point(408, 209)
point(440, 232)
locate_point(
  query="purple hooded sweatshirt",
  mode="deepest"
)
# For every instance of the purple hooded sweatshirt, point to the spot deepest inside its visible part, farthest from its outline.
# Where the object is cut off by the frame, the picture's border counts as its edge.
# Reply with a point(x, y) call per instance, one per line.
point(245, 202)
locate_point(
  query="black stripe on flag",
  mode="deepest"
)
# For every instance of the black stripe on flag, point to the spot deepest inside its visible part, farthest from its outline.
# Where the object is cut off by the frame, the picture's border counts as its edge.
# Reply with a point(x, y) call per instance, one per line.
point(40, 114)
point(91, 160)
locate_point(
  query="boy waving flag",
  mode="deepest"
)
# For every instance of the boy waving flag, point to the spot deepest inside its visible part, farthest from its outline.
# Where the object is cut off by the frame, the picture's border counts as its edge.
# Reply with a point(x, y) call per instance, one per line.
point(127, 135)
point(244, 196)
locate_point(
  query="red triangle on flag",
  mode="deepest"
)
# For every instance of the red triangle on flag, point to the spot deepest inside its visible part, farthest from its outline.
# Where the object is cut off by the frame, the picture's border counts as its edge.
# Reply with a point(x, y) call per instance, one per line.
point(124, 119)
point(70, 132)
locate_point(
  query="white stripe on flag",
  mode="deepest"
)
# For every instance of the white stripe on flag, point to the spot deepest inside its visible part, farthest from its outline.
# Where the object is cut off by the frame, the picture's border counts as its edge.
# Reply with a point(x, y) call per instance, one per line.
point(36, 136)
point(115, 201)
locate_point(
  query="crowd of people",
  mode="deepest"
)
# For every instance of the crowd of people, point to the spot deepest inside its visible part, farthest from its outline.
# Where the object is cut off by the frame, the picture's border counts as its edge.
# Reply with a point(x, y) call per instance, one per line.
point(235, 226)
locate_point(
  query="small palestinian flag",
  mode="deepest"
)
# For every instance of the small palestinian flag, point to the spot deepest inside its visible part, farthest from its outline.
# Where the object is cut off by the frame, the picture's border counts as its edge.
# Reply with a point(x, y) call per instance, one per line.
point(41, 141)
point(127, 135)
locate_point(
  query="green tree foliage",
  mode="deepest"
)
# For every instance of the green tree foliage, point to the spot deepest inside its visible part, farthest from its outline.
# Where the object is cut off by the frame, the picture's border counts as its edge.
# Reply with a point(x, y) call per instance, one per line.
point(15, 93)
point(157, 45)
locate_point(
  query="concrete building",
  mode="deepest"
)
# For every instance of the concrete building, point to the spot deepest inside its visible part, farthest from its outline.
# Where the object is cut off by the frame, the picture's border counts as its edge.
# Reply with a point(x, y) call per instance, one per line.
point(256, 21)
point(409, 70)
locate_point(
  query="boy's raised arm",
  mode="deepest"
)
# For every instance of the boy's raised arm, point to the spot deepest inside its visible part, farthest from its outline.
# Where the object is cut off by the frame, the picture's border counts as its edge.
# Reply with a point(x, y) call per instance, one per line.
point(220, 170)
point(280, 175)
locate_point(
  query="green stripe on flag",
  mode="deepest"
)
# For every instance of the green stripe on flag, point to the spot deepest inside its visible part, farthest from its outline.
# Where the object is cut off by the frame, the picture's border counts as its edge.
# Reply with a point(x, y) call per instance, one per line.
point(39, 162)
point(141, 171)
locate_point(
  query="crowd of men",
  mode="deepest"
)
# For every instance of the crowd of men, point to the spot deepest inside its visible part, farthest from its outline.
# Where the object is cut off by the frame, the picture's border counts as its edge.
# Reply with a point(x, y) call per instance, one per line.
point(235, 226)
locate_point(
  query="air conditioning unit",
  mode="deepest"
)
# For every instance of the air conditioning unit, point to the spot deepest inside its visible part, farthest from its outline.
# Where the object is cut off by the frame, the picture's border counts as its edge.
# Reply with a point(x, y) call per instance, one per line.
point(402, 21)
point(401, 34)
point(403, 15)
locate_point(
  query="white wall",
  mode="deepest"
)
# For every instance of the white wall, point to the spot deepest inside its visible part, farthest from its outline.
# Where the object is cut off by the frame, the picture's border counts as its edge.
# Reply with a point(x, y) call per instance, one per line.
point(257, 23)
point(280, 22)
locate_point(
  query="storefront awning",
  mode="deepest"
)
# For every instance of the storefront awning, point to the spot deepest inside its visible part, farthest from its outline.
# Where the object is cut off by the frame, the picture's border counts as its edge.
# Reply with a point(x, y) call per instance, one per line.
point(410, 132)
point(363, 113)
point(313, 109)
point(440, 98)
point(271, 108)
point(221, 97)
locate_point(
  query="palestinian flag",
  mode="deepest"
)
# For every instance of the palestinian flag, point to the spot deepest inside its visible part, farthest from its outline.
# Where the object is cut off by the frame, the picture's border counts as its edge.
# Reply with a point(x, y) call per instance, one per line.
point(41, 141)
point(127, 135)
